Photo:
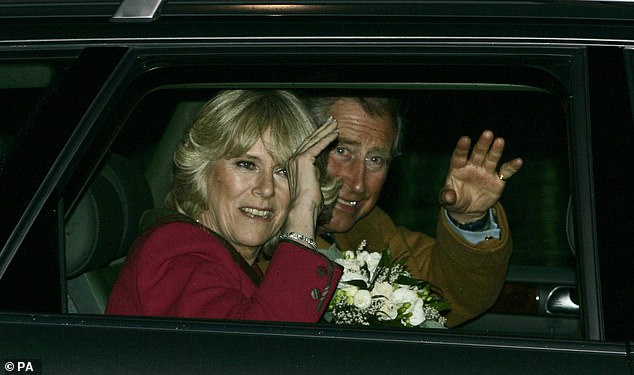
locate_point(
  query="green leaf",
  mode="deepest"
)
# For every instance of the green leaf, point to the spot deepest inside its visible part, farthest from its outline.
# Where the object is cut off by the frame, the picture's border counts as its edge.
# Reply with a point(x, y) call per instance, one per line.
point(386, 259)
point(406, 280)
point(358, 283)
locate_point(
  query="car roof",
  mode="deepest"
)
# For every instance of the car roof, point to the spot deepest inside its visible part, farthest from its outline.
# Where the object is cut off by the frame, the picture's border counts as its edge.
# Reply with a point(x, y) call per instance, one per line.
point(94, 21)
point(580, 10)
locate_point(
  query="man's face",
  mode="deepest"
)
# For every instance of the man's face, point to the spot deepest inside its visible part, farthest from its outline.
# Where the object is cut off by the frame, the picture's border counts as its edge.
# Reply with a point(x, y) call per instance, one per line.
point(360, 160)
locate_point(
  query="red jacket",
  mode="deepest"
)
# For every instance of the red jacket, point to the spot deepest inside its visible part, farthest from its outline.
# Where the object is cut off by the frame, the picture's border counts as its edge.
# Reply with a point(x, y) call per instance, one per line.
point(181, 269)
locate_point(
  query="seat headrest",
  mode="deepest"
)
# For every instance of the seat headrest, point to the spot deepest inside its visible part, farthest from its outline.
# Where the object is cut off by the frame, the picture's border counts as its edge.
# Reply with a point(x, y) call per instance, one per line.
point(159, 169)
point(105, 222)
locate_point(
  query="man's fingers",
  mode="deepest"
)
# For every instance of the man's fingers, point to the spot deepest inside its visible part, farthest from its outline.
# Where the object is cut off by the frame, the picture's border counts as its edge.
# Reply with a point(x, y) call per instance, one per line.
point(494, 155)
point(508, 169)
point(481, 148)
point(460, 152)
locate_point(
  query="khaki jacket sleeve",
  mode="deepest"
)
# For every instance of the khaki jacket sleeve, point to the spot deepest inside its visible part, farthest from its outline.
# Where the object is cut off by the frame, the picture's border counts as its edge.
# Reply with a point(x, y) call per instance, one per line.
point(469, 276)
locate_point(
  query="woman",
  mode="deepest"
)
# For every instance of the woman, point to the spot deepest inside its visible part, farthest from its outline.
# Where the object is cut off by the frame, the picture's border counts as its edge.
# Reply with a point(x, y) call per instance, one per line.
point(245, 171)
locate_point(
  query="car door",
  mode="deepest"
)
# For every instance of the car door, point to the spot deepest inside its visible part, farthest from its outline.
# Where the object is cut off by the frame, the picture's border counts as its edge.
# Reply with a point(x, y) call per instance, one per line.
point(33, 166)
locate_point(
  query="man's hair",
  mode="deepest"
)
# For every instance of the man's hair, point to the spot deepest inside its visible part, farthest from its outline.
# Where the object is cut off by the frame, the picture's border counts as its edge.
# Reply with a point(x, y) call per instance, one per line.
point(228, 126)
point(388, 108)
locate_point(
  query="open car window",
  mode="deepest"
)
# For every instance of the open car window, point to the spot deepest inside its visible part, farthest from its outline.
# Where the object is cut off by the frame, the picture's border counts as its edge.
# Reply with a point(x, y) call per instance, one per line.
point(529, 106)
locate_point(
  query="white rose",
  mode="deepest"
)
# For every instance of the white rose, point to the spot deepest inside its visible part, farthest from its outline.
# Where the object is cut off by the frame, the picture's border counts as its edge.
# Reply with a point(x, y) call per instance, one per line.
point(403, 295)
point(382, 289)
point(372, 260)
point(362, 299)
point(418, 314)
point(390, 310)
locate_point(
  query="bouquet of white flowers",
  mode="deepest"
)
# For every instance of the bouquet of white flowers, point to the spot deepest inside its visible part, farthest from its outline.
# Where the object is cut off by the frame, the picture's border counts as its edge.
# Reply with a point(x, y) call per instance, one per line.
point(376, 290)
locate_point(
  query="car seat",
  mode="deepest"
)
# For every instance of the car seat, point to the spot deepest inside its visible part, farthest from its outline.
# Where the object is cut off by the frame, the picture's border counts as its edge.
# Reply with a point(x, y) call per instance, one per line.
point(102, 227)
point(100, 230)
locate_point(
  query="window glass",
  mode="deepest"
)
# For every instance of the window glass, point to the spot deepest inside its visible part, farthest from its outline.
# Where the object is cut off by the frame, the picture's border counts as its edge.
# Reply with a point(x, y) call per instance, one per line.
point(21, 87)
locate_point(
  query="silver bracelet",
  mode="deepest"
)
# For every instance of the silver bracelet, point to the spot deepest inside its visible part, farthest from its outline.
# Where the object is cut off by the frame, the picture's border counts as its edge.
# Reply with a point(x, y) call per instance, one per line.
point(299, 237)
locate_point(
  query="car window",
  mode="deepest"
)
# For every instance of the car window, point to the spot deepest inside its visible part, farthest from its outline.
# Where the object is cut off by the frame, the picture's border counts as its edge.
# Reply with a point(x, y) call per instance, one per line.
point(521, 106)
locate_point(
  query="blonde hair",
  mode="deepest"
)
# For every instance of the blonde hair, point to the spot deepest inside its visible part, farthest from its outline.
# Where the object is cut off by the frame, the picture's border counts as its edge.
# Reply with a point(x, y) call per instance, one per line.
point(228, 126)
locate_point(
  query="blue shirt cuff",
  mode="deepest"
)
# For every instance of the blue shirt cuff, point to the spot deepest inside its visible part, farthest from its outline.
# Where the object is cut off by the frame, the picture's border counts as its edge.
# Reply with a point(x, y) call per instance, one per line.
point(492, 230)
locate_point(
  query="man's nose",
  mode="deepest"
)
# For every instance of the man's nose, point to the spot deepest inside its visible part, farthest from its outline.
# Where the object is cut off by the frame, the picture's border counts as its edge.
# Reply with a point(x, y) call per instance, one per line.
point(354, 176)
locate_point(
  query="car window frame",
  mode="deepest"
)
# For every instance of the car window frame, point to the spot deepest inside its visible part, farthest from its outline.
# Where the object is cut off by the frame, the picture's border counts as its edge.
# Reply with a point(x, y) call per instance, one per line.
point(155, 56)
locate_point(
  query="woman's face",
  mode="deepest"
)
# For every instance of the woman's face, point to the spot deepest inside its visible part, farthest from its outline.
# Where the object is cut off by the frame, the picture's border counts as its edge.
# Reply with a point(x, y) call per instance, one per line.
point(248, 199)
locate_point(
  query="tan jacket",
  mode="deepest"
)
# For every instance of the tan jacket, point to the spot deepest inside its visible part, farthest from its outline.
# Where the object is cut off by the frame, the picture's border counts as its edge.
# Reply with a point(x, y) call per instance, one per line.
point(469, 276)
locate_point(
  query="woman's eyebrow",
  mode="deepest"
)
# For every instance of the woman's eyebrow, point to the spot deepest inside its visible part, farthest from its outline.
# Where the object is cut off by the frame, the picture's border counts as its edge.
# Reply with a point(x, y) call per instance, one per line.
point(245, 155)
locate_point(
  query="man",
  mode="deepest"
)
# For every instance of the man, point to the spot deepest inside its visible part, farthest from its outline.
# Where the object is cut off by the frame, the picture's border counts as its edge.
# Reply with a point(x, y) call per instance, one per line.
point(469, 258)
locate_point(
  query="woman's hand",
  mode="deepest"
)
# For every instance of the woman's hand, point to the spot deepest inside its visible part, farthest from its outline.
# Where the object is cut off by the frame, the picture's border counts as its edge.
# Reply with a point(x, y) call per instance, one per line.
point(303, 180)
point(474, 184)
